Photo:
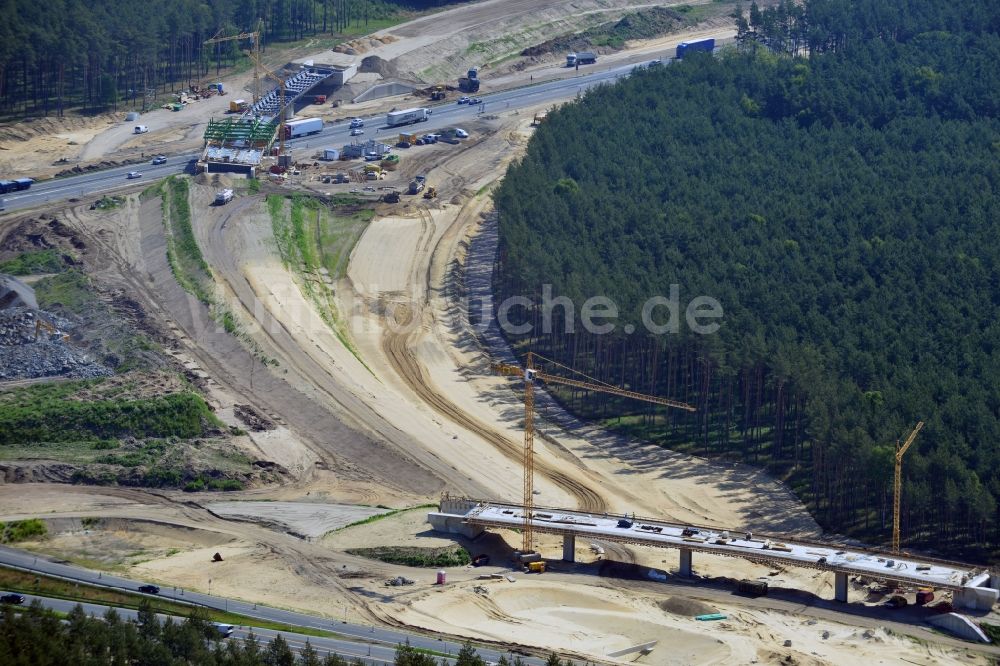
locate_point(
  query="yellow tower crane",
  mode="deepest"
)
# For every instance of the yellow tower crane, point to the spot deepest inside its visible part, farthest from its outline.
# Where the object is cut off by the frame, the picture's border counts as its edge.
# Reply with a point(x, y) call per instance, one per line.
point(530, 375)
point(900, 450)
point(254, 52)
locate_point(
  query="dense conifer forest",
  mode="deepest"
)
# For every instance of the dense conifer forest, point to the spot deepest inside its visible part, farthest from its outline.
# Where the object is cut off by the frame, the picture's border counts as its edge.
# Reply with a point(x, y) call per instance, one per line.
point(833, 182)
point(98, 54)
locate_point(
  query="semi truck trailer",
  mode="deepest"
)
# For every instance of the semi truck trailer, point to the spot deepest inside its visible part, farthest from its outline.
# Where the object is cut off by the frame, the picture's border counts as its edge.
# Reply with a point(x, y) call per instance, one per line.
point(407, 116)
point(707, 45)
point(296, 128)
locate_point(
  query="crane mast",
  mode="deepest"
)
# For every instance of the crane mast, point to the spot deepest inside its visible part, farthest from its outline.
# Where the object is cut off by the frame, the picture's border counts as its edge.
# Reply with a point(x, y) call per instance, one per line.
point(530, 374)
point(897, 488)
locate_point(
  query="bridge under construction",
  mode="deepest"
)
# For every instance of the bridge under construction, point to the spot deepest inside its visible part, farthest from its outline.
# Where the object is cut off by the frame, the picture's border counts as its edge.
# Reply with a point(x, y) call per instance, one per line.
point(972, 587)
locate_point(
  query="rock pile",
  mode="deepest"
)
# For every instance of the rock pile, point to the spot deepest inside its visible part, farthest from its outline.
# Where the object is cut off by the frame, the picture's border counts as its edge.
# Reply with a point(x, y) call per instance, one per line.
point(24, 357)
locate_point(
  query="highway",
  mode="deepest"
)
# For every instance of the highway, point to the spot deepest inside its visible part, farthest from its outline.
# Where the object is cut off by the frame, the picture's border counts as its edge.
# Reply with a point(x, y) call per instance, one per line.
point(380, 641)
point(448, 114)
point(370, 653)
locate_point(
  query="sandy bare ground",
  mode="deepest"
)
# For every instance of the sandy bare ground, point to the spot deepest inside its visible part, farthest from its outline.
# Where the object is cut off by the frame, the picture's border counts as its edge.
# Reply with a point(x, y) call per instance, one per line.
point(311, 519)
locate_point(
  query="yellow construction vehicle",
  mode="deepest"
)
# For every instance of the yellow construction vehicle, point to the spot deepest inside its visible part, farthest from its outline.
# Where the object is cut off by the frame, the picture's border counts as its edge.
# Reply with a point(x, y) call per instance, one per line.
point(530, 374)
point(430, 193)
point(42, 325)
point(438, 93)
point(536, 567)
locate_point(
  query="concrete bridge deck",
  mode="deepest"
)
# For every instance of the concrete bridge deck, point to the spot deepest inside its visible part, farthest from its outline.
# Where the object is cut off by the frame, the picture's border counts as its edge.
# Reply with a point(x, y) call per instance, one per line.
point(971, 585)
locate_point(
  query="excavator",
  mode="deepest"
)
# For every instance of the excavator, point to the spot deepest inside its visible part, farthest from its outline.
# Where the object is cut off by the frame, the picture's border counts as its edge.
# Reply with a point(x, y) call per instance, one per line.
point(42, 325)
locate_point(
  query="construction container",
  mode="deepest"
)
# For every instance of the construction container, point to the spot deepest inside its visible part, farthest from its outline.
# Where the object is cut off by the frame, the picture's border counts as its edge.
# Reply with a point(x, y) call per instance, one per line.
point(925, 595)
point(754, 588)
point(331, 154)
point(441, 577)
point(319, 99)
point(536, 567)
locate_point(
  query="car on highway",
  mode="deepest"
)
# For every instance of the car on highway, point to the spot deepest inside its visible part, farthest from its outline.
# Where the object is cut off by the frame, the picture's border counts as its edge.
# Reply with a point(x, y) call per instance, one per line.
point(149, 589)
point(474, 101)
point(464, 100)
point(357, 131)
point(160, 159)
point(224, 630)
point(461, 133)
point(133, 175)
point(12, 598)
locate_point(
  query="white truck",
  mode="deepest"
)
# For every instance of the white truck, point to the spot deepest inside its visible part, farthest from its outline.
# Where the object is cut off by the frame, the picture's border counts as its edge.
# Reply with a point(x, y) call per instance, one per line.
point(303, 127)
point(140, 129)
point(407, 116)
point(223, 197)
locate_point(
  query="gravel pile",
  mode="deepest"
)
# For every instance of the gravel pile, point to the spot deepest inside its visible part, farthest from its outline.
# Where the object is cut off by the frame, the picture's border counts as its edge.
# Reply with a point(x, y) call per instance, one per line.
point(22, 357)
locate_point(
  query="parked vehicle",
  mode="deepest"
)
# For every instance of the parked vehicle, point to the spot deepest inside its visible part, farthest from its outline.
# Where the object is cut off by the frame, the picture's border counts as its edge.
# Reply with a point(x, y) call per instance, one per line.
point(576, 59)
point(407, 116)
point(140, 129)
point(706, 45)
point(160, 159)
point(149, 589)
point(461, 133)
point(132, 175)
point(12, 598)
point(464, 100)
point(296, 128)
point(223, 197)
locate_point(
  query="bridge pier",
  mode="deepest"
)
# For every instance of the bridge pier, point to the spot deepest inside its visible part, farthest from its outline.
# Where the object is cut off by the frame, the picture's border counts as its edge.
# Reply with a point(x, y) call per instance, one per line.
point(569, 548)
point(685, 569)
point(840, 586)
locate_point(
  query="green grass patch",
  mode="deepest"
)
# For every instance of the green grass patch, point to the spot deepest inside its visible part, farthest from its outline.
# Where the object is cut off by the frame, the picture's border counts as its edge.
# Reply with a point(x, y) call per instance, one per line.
point(315, 241)
point(33, 263)
point(22, 530)
point(42, 413)
point(70, 291)
point(412, 556)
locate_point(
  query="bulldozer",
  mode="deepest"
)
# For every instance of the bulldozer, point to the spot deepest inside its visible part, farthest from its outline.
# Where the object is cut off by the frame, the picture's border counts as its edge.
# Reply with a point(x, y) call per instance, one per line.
point(430, 193)
point(438, 93)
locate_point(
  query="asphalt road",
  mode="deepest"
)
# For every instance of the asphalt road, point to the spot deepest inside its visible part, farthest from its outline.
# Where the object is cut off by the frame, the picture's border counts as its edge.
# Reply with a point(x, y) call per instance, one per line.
point(449, 114)
point(380, 641)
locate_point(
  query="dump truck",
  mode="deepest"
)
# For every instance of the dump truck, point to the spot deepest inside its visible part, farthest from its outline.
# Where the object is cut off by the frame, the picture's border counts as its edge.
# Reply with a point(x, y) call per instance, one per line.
point(470, 82)
point(576, 59)
point(238, 106)
point(296, 128)
point(407, 116)
point(706, 45)
point(415, 186)
point(222, 197)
